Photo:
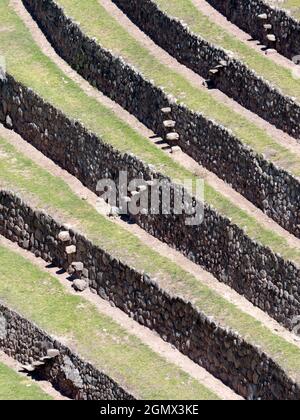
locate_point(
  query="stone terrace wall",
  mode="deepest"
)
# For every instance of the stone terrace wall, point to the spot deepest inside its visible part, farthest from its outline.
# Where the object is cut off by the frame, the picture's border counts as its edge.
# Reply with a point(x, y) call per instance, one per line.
point(271, 189)
point(236, 79)
point(72, 376)
point(243, 13)
point(222, 248)
point(222, 352)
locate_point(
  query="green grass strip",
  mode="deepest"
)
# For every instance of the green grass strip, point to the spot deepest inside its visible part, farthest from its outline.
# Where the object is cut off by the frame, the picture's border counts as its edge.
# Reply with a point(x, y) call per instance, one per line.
point(291, 5)
point(16, 387)
point(42, 299)
point(27, 63)
point(50, 193)
point(96, 22)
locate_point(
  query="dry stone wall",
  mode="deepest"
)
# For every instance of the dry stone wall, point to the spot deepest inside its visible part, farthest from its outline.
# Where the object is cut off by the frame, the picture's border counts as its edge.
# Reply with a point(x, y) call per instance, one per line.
point(235, 79)
point(244, 13)
point(72, 376)
point(222, 248)
point(225, 354)
point(271, 189)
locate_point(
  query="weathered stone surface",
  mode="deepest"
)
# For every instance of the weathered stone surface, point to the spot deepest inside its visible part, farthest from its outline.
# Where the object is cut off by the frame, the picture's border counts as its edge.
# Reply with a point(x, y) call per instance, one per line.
point(64, 236)
point(79, 285)
point(71, 249)
point(3, 328)
point(78, 266)
point(53, 353)
point(72, 374)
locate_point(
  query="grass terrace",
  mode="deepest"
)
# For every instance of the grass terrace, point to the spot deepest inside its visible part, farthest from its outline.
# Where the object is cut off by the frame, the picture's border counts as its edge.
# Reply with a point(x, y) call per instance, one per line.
point(45, 191)
point(29, 65)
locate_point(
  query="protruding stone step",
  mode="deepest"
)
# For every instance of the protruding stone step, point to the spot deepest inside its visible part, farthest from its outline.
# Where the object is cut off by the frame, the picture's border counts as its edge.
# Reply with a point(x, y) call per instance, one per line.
point(169, 124)
point(28, 368)
point(219, 67)
point(175, 149)
point(270, 51)
point(267, 26)
point(166, 110)
point(38, 363)
point(172, 137)
point(271, 37)
point(80, 285)
point(263, 16)
point(71, 249)
point(45, 358)
point(78, 266)
point(64, 236)
point(213, 72)
point(52, 353)
point(9, 122)
point(114, 211)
